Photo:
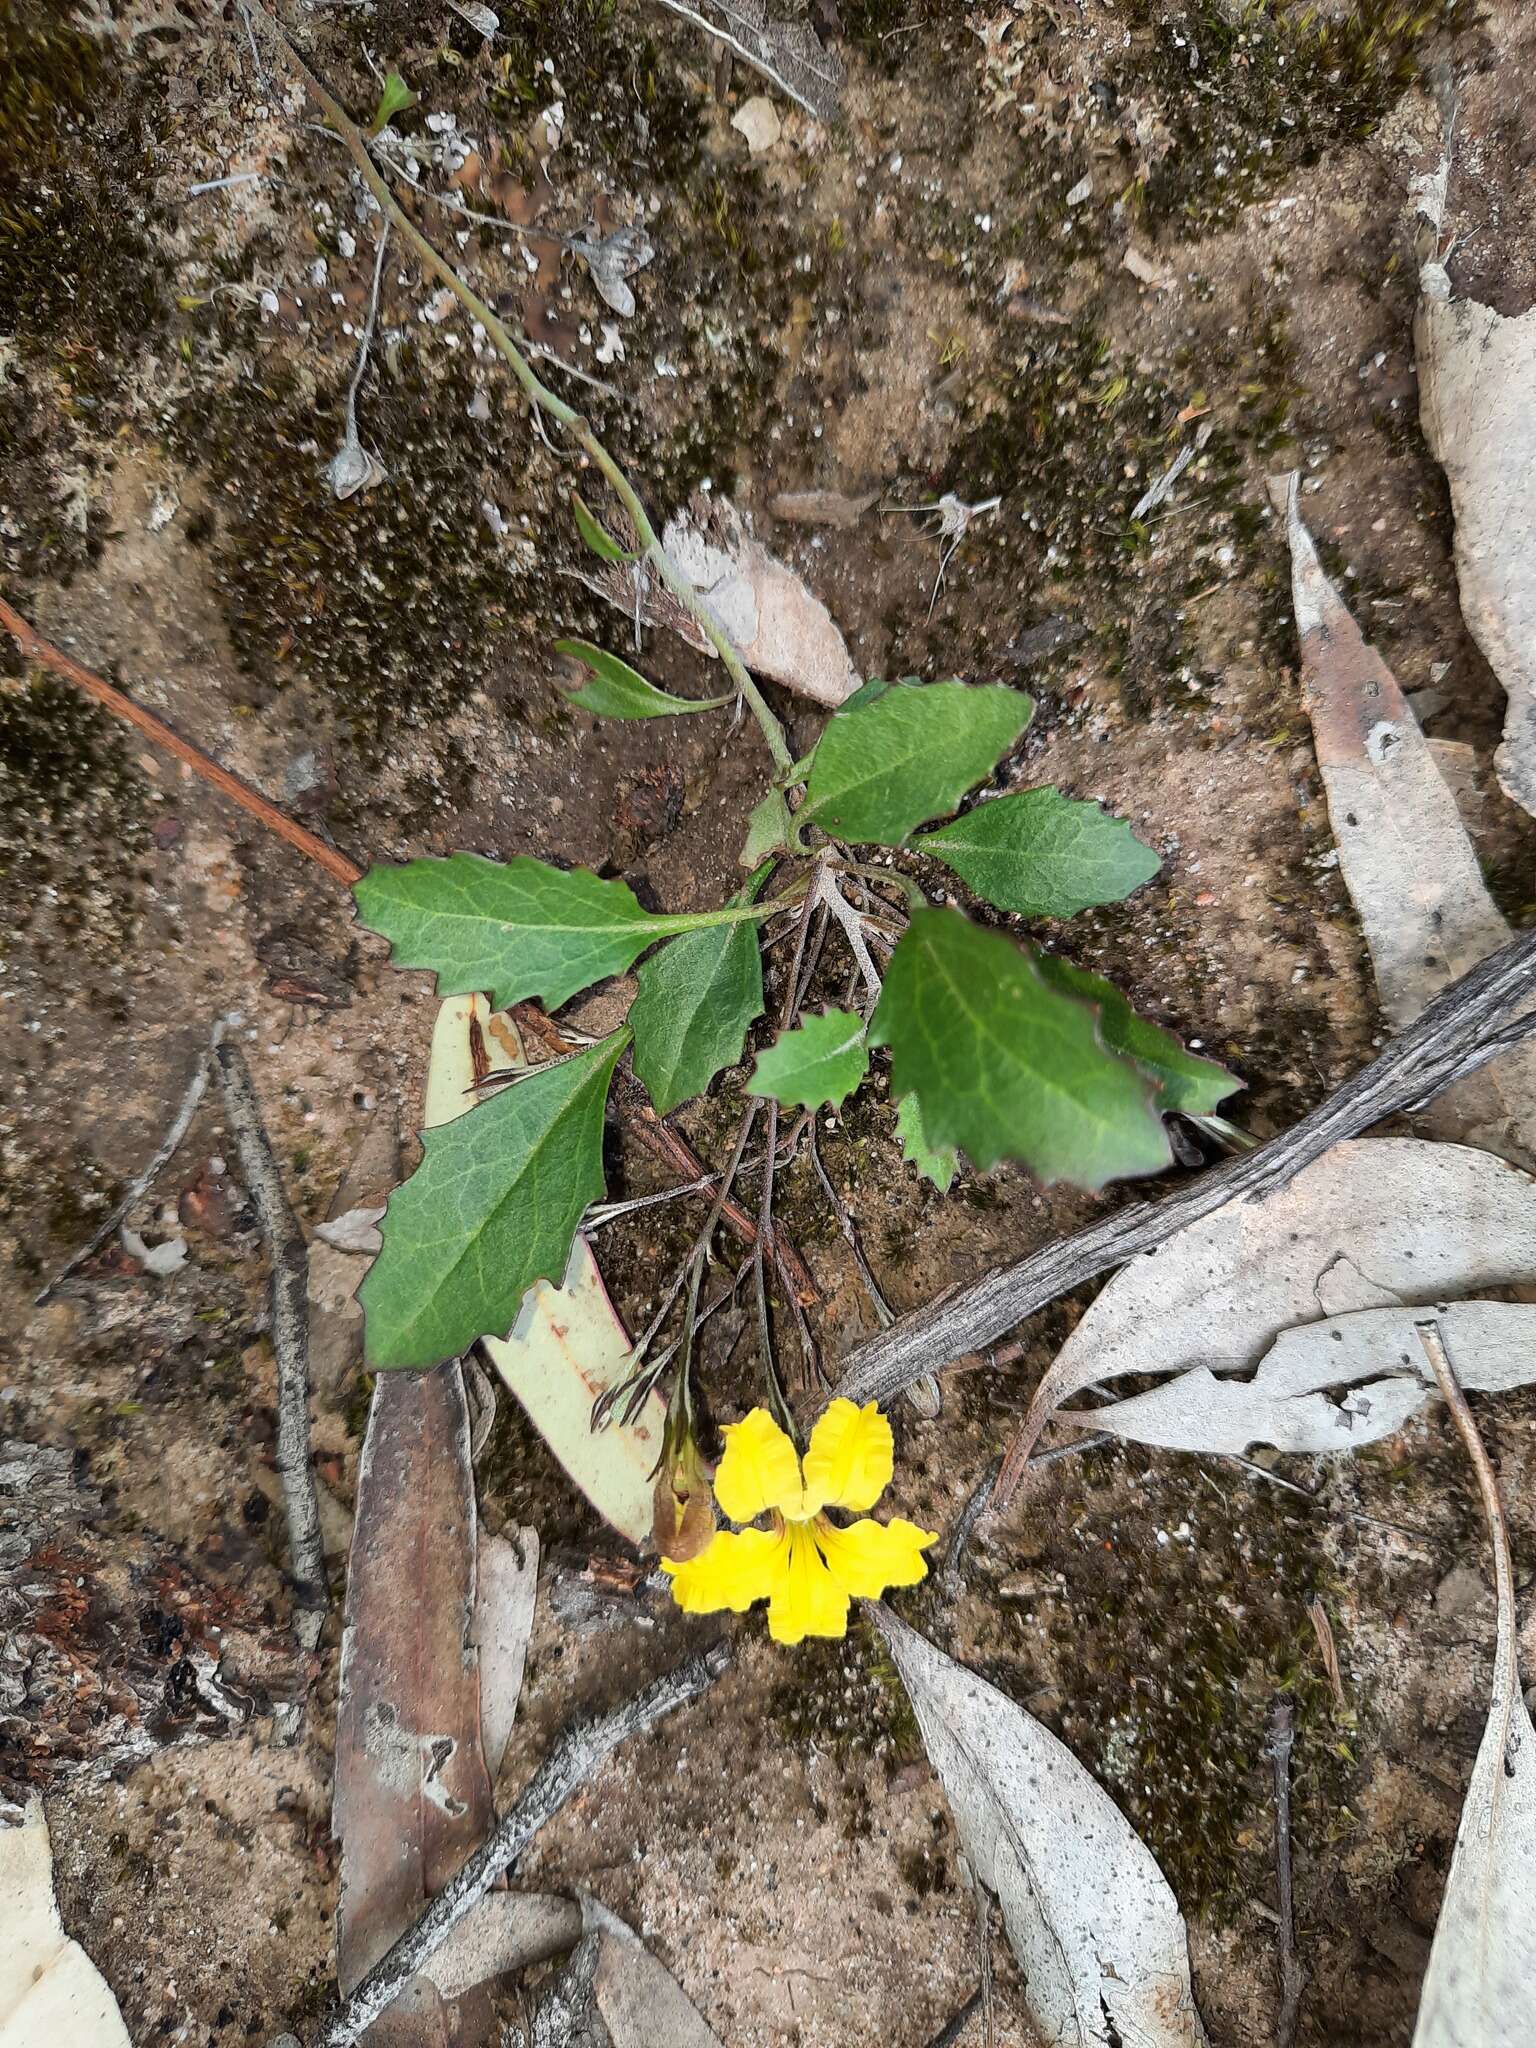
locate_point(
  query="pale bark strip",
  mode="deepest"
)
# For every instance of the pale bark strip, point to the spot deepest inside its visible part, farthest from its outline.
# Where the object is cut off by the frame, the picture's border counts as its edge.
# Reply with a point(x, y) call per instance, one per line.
point(289, 1257)
point(1469, 1024)
point(577, 1755)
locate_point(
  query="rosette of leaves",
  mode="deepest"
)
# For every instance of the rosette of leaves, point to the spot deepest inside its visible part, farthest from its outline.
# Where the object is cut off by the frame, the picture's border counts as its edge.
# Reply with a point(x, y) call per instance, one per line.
point(996, 1049)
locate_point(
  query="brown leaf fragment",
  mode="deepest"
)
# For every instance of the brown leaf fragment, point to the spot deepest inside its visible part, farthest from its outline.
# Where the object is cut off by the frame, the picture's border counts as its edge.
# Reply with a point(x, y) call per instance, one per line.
point(413, 1795)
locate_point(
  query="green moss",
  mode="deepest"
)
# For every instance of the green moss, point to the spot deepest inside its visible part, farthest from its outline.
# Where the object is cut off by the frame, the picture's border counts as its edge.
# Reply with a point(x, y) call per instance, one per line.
point(1172, 1655)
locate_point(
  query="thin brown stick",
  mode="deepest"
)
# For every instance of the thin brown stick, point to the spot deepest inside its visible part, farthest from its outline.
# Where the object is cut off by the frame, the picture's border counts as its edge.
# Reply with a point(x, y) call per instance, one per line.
point(1293, 1978)
point(35, 648)
point(1429, 1336)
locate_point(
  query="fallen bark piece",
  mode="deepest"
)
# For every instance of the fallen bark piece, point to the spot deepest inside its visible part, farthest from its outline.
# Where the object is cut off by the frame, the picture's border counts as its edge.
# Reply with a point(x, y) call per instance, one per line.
point(413, 1795)
point(1480, 1987)
point(1330, 1386)
point(50, 1990)
point(1097, 1932)
point(1412, 872)
point(1477, 405)
point(821, 508)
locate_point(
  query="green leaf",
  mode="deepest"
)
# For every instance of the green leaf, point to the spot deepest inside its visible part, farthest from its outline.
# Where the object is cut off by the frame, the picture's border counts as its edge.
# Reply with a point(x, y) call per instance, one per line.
point(394, 99)
point(820, 1061)
point(1043, 855)
point(618, 691)
point(493, 1207)
point(1005, 1065)
point(937, 1162)
point(1188, 1082)
point(769, 829)
point(519, 930)
point(900, 753)
point(596, 535)
point(697, 996)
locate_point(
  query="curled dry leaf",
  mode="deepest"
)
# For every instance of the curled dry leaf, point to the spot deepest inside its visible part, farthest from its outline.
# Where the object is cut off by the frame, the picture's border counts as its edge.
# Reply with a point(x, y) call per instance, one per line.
point(778, 627)
point(613, 258)
point(1375, 1222)
point(1097, 1932)
point(50, 1990)
point(1477, 405)
point(1404, 854)
point(1293, 1401)
point(1480, 1987)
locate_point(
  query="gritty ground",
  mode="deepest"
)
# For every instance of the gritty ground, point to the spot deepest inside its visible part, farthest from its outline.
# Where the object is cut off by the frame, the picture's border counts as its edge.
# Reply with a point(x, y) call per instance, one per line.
point(928, 295)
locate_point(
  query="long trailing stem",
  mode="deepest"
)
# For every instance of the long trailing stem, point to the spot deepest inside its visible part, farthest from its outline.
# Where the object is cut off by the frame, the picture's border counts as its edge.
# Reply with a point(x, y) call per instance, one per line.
point(545, 401)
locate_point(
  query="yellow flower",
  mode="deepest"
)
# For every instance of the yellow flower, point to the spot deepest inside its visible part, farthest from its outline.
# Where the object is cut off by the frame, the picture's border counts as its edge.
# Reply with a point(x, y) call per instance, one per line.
point(806, 1567)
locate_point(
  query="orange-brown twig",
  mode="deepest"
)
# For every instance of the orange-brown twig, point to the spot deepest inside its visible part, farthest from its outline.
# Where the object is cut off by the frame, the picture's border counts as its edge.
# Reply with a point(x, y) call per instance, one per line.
point(35, 648)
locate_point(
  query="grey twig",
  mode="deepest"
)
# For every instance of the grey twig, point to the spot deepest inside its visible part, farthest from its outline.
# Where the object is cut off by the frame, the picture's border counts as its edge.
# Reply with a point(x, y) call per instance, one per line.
point(290, 1343)
point(1293, 1978)
point(170, 1144)
point(1465, 1026)
point(957, 2022)
point(575, 1758)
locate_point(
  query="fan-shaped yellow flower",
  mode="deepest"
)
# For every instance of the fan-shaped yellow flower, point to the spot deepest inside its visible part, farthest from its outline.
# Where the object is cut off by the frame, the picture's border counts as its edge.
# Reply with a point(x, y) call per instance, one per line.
point(805, 1566)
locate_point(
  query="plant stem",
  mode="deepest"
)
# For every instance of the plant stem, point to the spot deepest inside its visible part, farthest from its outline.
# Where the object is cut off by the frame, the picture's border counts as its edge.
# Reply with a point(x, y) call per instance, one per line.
point(541, 397)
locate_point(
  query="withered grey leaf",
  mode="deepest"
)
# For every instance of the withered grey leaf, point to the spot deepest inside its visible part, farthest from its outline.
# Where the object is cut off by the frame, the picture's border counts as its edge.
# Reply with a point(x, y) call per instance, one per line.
point(611, 260)
point(1097, 1931)
point(1336, 1385)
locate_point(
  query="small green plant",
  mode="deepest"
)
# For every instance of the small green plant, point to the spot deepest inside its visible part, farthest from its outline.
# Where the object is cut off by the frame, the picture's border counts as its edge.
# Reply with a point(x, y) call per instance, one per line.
point(996, 1049)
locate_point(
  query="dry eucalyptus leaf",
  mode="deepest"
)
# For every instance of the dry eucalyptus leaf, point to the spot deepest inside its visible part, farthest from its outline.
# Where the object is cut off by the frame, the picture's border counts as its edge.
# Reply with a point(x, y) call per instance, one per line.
point(1411, 871)
point(1477, 405)
point(1371, 1360)
point(503, 1933)
point(50, 1990)
point(638, 2000)
point(1375, 1222)
point(356, 1231)
point(506, 1589)
point(1480, 1987)
point(1097, 1932)
point(780, 629)
point(483, 20)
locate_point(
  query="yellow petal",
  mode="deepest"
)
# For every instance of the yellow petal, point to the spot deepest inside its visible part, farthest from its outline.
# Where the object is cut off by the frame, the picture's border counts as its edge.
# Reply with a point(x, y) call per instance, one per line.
point(869, 1556)
point(730, 1572)
point(806, 1599)
point(759, 1470)
point(850, 1459)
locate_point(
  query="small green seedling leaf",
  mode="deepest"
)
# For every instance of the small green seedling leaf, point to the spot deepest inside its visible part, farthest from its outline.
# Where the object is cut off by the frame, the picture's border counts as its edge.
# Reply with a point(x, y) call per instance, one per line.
point(819, 1063)
point(935, 1162)
point(493, 1207)
point(1188, 1083)
point(520, 929)
point(596, 535)
point(1042, 854)
point(394, 99)
point(698, 994)
point(770, 829)
point(615, 690)
point(1007, 1066)
point(898, 754)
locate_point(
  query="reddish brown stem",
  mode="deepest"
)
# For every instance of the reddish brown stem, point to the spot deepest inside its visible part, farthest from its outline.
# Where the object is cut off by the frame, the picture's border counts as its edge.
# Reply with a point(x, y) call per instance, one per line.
point(639, 1118)
point(35, 648)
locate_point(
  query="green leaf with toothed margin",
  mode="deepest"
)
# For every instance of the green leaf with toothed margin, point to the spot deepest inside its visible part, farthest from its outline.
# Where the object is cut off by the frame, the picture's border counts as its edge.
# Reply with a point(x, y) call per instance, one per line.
point(898, 754)
point(698, 994)
point(820, 1062)
point(493, 1207)
point(1041, 854)
point(1186, 1081)
point(1007, 1066)
point(935, 1162)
